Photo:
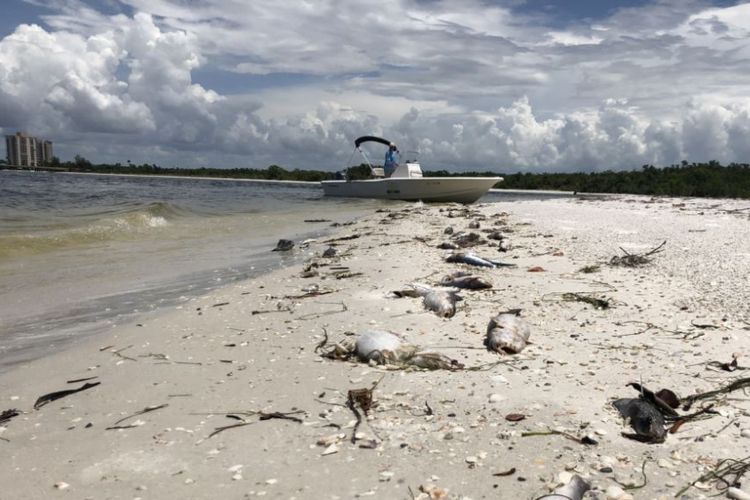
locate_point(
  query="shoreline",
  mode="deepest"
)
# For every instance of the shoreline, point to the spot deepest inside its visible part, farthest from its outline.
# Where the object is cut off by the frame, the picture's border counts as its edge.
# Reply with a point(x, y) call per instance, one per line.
point(250, 348)
point(182, 290)
point(529, 192)
point(303, 183)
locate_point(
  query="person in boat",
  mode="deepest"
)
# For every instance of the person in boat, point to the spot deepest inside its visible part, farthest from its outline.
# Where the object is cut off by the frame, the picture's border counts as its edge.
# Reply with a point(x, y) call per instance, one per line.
point(391, 160)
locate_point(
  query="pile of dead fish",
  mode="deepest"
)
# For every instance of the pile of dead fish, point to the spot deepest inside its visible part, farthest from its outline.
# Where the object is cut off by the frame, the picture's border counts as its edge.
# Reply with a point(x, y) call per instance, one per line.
point(507, 332)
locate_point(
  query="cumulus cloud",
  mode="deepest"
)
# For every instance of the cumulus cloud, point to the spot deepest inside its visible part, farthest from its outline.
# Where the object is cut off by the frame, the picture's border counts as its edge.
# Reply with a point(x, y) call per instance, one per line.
point(476, 87)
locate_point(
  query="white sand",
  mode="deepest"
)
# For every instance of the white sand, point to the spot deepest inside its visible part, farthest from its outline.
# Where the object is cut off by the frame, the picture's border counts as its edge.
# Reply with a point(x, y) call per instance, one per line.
point(205, 362)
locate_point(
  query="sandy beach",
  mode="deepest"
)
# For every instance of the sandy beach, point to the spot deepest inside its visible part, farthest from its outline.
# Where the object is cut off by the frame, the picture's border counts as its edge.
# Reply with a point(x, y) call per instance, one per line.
point(505, 426)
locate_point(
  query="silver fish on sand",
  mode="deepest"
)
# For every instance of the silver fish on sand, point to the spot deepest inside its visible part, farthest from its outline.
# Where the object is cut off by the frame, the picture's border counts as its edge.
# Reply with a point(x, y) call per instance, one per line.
point(574, 490)
point(474, 260)
point(507, 332)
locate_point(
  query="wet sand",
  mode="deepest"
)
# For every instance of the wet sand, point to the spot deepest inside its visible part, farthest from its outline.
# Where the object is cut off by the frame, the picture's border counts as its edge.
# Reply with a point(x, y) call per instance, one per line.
point(248, 351)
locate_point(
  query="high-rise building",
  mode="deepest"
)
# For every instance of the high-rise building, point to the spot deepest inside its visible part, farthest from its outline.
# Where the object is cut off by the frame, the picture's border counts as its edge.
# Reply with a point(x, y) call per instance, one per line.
point(27, 151)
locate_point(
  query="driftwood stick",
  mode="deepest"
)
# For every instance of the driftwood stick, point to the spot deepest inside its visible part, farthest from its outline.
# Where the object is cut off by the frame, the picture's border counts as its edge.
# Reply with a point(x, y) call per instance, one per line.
point(738, 384)
point(147, 409)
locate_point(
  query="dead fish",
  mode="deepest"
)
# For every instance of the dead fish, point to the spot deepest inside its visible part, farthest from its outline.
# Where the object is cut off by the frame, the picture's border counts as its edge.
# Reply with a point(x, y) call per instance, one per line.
point(414, 290)
point(434, 361)
point(447, 246)
point(283, 245)
point(644, 417)
point(574, 490)
point(473, 260)
point(441, 302)
point(408, 292)
point(386, 348)
point(466, 282)
point(382, 347)
point(507, 332)
point(465, 240)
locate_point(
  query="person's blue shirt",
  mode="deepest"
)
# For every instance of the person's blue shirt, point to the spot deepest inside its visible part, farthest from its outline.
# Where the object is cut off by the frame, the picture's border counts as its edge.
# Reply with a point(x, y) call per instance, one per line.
point(391, 161)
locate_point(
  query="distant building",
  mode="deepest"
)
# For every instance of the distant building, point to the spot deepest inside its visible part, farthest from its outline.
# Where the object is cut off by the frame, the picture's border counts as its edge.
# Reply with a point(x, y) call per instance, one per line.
point(27, 151)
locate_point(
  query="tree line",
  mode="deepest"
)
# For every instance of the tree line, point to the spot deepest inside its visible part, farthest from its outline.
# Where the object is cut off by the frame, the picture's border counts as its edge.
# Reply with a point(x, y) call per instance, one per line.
point(709, 179)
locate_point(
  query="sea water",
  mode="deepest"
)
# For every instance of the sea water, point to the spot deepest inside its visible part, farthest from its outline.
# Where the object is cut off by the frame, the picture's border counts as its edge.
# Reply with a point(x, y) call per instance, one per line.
point(80, 253)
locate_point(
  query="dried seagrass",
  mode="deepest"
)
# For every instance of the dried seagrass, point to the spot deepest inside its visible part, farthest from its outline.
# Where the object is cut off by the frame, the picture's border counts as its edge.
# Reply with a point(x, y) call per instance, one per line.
point(634, 259)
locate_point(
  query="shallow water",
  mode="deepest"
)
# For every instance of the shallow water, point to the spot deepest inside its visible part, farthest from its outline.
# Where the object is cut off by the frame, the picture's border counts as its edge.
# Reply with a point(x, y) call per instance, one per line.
point(79, 252)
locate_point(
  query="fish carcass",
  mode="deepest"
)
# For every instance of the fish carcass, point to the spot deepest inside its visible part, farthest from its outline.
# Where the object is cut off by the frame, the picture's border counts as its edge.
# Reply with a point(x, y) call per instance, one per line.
point(507, 332)
point(382, 347)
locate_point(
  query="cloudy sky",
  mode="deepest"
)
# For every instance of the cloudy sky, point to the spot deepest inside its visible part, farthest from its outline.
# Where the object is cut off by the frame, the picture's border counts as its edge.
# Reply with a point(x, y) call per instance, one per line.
point(503, 85)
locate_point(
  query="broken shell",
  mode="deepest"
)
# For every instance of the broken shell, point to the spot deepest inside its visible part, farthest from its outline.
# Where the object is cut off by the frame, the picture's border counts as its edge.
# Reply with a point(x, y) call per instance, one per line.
point(330, 450)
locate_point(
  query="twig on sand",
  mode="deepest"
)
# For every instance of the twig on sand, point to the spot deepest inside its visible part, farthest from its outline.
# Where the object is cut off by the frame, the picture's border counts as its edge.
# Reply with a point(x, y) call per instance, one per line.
point(489, 366)
point(323, 342)
point(364, 399)
point(277, 310)
point(701, 437)
point(325, 313)
point(636, 486)
point(119, 354)
point(728, 471)
point(635, 259)
point(584, 440)
point(316, 293)
point(647, 326)
point(79, 380)
point(742, 383)
point(349, 237)
point(262, 415)
point(587, 297)
point(686, 335)
point(147, 409)
point(341, 276)
point(704, 326)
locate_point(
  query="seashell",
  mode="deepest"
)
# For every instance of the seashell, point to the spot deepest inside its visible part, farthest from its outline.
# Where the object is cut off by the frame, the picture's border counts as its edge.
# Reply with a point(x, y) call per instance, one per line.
point(507, 332)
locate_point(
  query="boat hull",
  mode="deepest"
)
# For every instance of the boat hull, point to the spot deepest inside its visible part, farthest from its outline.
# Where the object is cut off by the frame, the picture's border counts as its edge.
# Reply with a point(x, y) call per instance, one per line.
point(427, 189)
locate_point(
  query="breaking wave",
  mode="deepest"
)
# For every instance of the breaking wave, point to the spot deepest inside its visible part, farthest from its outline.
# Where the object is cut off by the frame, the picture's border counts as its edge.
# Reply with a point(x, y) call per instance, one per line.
point(126, 223)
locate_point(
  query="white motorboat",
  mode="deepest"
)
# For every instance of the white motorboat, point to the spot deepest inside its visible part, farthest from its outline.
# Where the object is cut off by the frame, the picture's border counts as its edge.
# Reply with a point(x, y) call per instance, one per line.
point(406, 183)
